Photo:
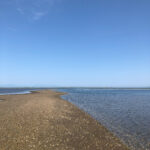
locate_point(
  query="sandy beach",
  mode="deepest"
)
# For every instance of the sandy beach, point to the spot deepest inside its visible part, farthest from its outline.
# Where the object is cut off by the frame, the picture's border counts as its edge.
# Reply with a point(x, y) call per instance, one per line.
point(43, 121)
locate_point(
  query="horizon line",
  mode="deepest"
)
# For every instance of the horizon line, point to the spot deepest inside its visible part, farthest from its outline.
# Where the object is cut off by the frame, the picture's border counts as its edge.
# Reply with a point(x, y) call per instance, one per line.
point(98, 87)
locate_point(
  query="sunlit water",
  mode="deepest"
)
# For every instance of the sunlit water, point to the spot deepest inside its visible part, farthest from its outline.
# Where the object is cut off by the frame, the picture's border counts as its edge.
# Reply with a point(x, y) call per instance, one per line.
point(124, 112)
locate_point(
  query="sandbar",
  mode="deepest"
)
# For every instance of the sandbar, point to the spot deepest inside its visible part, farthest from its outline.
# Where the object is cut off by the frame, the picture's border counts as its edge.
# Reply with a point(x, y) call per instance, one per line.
point(42, 120)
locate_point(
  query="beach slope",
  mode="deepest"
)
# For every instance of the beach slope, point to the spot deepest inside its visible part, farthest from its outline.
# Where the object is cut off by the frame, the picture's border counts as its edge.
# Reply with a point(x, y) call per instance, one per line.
point(43, 121)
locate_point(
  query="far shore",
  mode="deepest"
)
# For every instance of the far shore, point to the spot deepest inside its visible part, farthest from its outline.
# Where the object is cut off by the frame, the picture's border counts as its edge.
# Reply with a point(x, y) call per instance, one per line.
point(41, 120)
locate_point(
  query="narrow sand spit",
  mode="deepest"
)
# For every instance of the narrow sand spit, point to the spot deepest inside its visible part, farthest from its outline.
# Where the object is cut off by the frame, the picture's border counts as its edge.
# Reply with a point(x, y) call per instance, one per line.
point(43, 121)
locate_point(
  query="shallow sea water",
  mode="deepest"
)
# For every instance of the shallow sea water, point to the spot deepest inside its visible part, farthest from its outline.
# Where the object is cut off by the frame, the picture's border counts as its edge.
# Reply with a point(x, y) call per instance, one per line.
point(124, 112)
point(12, 91)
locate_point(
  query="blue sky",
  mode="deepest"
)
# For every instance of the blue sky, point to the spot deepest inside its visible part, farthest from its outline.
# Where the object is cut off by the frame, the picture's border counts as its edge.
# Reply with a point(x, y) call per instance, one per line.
point(102, 43)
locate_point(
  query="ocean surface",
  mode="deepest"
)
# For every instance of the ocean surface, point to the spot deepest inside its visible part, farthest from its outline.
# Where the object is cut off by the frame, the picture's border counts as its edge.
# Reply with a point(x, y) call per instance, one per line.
point(12, 91)
point(125, 112)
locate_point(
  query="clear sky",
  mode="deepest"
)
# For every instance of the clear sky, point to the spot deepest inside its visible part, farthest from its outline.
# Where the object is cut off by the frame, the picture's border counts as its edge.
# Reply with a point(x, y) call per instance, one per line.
point(75, 43)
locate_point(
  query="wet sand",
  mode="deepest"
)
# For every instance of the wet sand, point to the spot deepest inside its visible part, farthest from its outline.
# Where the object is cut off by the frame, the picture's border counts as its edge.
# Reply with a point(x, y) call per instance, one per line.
point(43, 121)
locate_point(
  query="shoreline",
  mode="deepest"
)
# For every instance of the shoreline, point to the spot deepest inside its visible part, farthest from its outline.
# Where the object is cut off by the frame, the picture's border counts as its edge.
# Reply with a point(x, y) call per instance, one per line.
point(52, 89)
point(42, 120)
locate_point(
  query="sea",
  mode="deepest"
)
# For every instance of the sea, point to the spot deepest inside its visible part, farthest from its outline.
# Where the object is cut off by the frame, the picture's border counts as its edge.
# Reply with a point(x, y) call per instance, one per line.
point(124, 112)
